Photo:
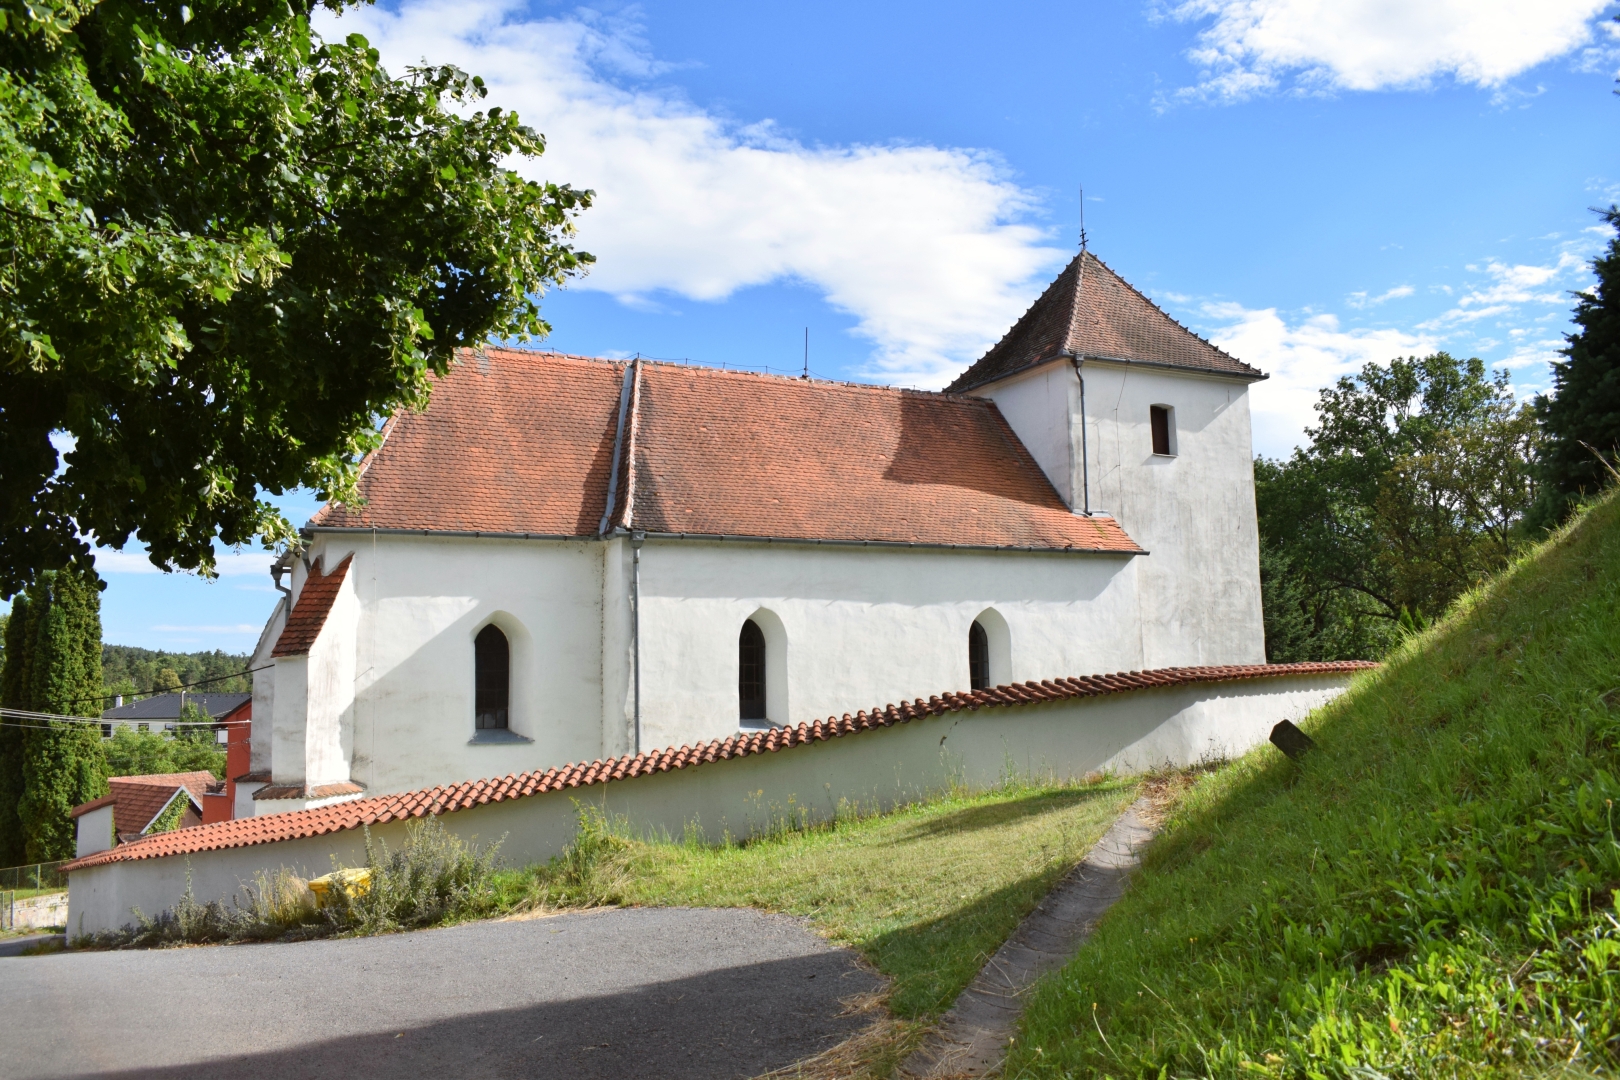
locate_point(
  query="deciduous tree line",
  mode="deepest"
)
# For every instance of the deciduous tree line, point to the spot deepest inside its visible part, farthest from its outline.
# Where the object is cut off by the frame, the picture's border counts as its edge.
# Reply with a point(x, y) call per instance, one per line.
point(1422, 477)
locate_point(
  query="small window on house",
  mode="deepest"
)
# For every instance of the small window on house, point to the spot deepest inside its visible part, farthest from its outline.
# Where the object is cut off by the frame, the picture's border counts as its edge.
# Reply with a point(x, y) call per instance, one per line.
point(143, 727)
point(492, 681)
point(1163, 420)
point(106, 731)
point(978, 658)
point(751, 671)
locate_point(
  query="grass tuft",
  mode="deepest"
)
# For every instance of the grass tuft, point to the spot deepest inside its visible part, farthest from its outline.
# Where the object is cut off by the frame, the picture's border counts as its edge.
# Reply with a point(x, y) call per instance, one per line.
point(1431, 892)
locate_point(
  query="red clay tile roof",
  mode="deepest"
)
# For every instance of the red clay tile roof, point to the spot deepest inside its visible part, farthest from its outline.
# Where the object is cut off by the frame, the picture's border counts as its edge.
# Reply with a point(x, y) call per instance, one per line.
point(380, 809)
point(522, 442)
point(1103, 317)
point(309, 613)
point(137, 800)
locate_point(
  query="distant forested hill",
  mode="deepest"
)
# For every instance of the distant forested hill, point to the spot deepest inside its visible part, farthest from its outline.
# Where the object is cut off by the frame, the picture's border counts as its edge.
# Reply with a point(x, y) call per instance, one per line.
point(129, 670)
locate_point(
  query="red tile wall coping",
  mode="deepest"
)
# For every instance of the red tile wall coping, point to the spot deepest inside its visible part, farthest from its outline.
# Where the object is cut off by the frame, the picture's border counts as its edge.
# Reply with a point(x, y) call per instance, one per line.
point(309, 613)
point(381, 809)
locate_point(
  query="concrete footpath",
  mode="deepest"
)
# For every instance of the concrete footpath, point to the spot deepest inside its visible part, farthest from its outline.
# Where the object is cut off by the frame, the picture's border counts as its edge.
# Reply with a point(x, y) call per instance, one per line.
point(972, 1037)
point(643, 992)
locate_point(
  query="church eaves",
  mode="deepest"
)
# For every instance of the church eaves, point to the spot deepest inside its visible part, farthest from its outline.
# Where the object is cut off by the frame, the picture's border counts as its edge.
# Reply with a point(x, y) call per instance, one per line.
point(1100, 316)
point(518, 443)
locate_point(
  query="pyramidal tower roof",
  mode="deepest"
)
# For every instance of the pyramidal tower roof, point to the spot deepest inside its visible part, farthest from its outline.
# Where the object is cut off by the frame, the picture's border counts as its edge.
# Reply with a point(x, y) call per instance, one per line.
point(1098, 314)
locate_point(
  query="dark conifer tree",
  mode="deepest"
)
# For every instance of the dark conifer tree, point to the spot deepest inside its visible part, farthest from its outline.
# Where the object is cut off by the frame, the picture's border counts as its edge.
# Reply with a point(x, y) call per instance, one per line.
point(53, 665)
point(15, 678)
point(1583, 413)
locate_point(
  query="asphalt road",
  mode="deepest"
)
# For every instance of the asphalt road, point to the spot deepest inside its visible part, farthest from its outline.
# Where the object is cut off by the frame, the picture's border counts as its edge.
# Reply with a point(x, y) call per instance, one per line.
point(635, 993)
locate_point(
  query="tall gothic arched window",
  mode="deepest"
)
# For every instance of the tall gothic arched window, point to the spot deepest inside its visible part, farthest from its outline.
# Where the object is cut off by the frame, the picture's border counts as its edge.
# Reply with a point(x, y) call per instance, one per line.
point(751, 671)
point(492, 681)
point(978, 658)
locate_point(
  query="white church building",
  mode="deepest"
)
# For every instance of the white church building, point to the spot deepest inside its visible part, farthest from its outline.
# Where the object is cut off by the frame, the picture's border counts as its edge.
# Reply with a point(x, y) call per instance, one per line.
point(564, 559)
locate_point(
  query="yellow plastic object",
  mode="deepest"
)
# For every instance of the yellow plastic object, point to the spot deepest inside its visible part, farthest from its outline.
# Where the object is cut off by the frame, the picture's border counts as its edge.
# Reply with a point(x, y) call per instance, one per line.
point(353, 882)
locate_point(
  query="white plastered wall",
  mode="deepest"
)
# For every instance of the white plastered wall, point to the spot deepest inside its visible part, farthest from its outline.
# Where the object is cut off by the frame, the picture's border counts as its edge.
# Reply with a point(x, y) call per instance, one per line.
point(1194, 512)
point(93, 831)
point(1043, 406)
point(855, 628)
point(329, 727)
point(418, 604)
point(1126, 732)
point(849, 628)
point(260, 730)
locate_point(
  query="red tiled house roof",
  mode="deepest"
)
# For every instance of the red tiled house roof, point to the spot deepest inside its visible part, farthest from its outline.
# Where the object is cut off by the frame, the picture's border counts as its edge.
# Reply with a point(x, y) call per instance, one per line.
point(309, 613)
point(321, 821)
point(136, 800)
point(1102, 316)
point(522, 443)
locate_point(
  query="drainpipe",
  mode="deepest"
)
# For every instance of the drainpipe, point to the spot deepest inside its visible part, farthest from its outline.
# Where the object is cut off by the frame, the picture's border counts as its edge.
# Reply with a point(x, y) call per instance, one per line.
point(283, 565)
point(1085, 443)
point(636, 540)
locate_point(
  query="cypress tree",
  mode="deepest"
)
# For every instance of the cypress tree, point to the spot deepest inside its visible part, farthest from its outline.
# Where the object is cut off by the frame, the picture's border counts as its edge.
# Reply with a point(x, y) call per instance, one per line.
point(62, 763)
point(1585, 406)
point(15, 677)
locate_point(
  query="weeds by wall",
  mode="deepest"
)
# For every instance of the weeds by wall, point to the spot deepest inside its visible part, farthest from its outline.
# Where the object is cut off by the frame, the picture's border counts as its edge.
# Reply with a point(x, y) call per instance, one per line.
point(434, 877)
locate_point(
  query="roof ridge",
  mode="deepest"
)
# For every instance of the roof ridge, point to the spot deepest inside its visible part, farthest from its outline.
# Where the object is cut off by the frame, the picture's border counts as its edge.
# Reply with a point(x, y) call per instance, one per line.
point(442, 798)
point(693, 365)
point(1178, 323)
point(1116, 320)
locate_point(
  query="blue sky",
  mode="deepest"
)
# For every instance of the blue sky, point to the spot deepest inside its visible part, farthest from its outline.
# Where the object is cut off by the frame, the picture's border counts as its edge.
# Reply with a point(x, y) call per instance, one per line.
point(1313, 186)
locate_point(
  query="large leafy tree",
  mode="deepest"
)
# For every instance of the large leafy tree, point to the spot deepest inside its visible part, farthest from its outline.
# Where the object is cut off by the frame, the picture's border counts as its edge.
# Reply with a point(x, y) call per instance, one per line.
point(52, 665)
point(226, 247)
point(1582, 416)
point(1412, 487)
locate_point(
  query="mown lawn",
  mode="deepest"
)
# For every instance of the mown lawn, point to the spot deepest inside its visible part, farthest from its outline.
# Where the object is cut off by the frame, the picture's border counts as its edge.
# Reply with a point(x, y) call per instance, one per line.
point(1432, 892)
point(925, 894)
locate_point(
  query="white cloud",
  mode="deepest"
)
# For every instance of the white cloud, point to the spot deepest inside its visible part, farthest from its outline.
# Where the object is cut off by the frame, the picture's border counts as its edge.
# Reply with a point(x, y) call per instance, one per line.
point(1257, 46)
point(1301, 358)
point(1509, 286)
point(930, 248)
point(1362, 300)
point(228, 563)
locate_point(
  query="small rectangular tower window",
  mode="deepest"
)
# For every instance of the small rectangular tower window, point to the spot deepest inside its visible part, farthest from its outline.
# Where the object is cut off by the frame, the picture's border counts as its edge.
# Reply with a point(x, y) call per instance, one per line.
point(1163, 420)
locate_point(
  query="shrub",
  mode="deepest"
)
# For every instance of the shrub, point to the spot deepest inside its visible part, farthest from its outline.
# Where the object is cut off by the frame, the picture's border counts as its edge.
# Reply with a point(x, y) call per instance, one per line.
point(434, 877)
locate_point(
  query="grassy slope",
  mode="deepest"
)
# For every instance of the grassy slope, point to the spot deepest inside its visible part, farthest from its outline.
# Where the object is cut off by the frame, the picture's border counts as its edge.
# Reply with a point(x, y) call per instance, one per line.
point(1431, 893)
point(926, 894)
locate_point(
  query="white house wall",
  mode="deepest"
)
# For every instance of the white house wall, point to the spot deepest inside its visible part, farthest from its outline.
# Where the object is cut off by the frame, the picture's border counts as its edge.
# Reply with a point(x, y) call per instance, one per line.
point(1194, 512)
point(876, 769)
point(93, 831)
point(1043, 405)
point(264, 698)
point(850, 628)
point(419, 603)
point(856, 628)
point(329, 724)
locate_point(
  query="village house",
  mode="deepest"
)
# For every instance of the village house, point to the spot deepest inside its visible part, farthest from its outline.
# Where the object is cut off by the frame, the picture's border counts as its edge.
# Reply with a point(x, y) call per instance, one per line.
point(565, 559)
point(162, 712)
point(138, 806)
